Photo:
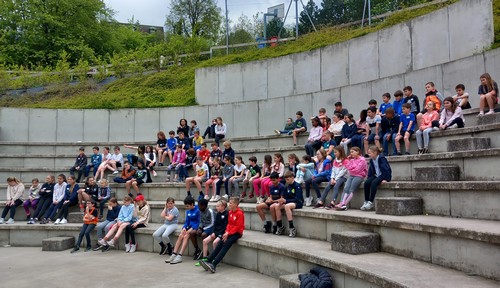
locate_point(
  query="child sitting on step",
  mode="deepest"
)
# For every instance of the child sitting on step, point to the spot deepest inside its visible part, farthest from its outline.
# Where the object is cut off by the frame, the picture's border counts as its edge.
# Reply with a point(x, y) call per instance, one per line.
point(220, 225)
point(33, 197)
point(337, 177)
point(292, 199)
point(206, 227)
point(356, 165)
point(176, 165)
point(89, 223)
point(141, 217)
point(379, 172)
point(276, 191)
point(305, 169)
point(124, 219)
point(171, 215)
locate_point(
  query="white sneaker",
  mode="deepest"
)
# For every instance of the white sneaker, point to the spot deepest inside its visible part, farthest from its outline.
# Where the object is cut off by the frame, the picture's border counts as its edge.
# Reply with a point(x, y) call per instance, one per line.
point(10, 221)
point(212, 199)
point(490, 112)
point(127, 247)
point(132, 248)
point(63, 221)
point(369, 206)
point(171, 258)
point(154, 173)
point(226, 197)
point(1, 220)
point(115, 172)
point(217, 198)
point(454, 126)
point(309, 201)
point(435, 128)
point(206, 197)
point(57, 221)
point(111, 243)
point(277, 132)
point(102, 242)
point(364, 206)
point(177, 259)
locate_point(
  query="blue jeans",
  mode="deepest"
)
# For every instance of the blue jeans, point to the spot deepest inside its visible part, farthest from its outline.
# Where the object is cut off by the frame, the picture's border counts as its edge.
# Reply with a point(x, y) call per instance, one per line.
point(51, 212)
point(314, 183)
point(335, 187)
point(86, 229)
point(385, 144)
point(104, 225)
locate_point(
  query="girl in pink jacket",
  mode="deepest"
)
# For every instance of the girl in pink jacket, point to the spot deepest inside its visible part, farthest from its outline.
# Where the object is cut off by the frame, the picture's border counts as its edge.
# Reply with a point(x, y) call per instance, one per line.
point(358, 169)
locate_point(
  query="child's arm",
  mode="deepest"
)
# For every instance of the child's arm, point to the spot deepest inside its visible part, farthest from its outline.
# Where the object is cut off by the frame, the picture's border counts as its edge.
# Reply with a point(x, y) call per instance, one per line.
point(130, 147)
point(409, 125)
point(400, 127)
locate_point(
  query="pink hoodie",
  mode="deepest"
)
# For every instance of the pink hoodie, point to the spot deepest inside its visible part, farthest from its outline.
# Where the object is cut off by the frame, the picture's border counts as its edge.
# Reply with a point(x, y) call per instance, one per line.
point(357, 167)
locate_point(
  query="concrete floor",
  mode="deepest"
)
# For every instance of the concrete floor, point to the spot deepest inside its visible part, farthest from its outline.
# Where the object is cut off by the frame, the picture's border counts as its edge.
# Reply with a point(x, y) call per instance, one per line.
point(30, 267)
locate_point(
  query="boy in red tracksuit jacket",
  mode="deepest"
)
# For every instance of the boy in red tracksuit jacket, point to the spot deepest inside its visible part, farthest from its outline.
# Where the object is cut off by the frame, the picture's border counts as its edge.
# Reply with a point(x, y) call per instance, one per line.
point(234, 231)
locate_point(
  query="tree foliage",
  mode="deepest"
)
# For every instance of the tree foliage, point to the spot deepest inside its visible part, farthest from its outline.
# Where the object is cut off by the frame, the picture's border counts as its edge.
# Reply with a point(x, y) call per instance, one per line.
point(37, 32)
point(195, 18)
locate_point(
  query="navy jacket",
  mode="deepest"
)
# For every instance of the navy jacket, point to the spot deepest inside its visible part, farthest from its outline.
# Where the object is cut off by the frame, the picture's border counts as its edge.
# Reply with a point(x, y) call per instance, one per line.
point(384, 166)
point(348, 131)
point(113, 214)
point(293, 194)
point(390, 125)
point(71, 196)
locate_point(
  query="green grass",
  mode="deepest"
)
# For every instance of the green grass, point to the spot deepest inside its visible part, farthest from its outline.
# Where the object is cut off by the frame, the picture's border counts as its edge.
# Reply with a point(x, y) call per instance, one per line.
point(175, 86)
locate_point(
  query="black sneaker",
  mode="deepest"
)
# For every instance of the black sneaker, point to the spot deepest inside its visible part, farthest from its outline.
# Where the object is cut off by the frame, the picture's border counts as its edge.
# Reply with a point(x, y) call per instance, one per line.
point(169, 249)
point(275, 228)
point(267, 227)
point(197, 254)
point(204, 265)
point(74, 250)
point(163, 249)
point(281, 230)
point(105, 248)
point(208, 266)
point(89, 248)
point(407, 153)
point(99, 247)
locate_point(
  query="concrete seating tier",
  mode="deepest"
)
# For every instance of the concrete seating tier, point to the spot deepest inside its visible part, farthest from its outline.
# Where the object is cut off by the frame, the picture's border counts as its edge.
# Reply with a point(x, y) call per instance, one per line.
point(275, 256)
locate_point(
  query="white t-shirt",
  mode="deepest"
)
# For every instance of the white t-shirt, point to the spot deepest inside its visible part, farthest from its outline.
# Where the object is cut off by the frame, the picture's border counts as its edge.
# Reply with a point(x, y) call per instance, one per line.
point(200, 169)
point(372, 122)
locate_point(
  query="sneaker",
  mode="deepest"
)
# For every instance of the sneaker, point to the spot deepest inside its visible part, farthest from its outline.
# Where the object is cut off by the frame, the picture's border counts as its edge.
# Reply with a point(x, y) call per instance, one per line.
point(111, 243)
point(31, 221)
point(177, 259)
point(318, 205)
point(275, 229)
point(57, 221)
point(481, 114)
point(204, 265)
point(10, 221)
point(309, 201)
point(212, 199)
point(277, 132)
point(105, 248)
point(398, 154)
point(169, 249)
point(99, 247)
point(199, 262)
point(210, 267)
point(115, 172)
point(127, 247)
point(407, 153)
point(369, 206)
point(44, 221)
point(132, 248)
point(489, 112)
point(280, 230)
point(76, 249)
point(425, 150)
point(171, 258)
point(206, 197)
point(364, 206)
point(420, 151)
point(343, 207)
point(163, 249)
point(154, 173)
point(454, 126)
point(330, 206)
point(435, 128)
point(226, 197)
point(101, 242)
point(267, 227)
point(217, 198)
point(197, 254)
point(293, 232)
point(250, 196)
point(89, 248)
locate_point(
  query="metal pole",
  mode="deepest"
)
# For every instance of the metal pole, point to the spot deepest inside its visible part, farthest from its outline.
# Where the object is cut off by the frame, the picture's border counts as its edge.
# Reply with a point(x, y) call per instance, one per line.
point(296, 19)
point(265, 28)
point(369, 13)
point(363, 18)
point(227, 31)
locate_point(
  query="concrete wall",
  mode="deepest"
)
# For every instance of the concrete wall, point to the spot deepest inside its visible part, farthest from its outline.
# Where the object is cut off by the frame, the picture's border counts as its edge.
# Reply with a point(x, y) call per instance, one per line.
point(383, 61)
point(255, 98)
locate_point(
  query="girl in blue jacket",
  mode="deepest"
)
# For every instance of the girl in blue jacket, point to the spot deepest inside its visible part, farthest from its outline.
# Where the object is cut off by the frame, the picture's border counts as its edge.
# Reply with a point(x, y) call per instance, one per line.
point(379, 172)
point(320, 175)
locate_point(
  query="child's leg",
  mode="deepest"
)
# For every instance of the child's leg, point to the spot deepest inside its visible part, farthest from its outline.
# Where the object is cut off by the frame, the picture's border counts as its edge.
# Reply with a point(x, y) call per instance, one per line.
point(179, 242)
point(398, 145)
point(207, 185)
point(26, 206)
point(214, 186)
point(135, 185)
point(111, 232)
point(288, 210)
point(272, 210)
point(188, 183)
point(166, 234)
point(194, 239)
point(120, 229)
point(260, 210)
point(367, 185)
point(185, 241)
point(80, 236)
point(407, 141)
point(89, 229)
point(207, 241)
point(127, 186)
point(356, 182)
point(256, 184)
point(265, 186)
point(100, 227)
point(325, 193)
point(336, 188)
point(236, 184)
point(197, 181)
point(373, 188)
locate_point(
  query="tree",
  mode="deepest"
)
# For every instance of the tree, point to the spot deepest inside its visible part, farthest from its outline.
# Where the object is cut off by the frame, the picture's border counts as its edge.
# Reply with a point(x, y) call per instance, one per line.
point(195, 18)
point(305, 25)
point(273, 28)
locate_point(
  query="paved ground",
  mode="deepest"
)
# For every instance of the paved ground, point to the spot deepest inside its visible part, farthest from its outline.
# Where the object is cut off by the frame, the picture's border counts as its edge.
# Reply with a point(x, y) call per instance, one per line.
point(30, 267)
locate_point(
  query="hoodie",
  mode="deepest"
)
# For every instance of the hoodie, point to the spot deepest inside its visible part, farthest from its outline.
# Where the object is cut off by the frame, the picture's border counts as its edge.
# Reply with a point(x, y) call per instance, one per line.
point(192, 219)
point(357, 167)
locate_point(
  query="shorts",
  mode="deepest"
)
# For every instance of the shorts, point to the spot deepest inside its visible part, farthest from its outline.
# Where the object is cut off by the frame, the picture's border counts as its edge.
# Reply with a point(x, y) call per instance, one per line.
point(411, 132)
point(139, 181)
point(371, 137)
point(118, 164)
point(208, 231)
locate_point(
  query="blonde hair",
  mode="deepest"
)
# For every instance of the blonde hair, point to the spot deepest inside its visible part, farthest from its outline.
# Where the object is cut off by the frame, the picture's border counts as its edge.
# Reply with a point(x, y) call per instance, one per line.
point(13, 179)
point(375, 149)
point(222, 202)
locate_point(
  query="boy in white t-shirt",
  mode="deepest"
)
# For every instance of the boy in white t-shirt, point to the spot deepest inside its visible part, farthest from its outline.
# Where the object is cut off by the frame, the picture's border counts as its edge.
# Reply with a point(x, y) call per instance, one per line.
point(202, 174)
point(373, 128)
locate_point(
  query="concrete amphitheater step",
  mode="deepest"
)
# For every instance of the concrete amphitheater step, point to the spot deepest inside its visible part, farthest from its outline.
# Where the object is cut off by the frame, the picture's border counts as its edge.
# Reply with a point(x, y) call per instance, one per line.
point(438, 173)
point(58, 243)
point(276, 256)
point(398, 206)
point(469, 144)
point(355, 242)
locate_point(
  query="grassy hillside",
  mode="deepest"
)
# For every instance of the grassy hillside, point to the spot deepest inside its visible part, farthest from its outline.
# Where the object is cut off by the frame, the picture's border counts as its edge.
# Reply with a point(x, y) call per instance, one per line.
point(175, 86)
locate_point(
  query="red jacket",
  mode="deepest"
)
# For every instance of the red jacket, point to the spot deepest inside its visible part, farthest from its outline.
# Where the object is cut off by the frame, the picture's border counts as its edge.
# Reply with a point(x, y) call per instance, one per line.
point(236, 222)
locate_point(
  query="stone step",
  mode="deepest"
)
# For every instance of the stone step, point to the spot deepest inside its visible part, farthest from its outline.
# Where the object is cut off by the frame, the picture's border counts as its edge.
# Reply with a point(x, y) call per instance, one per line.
point(437, 173)
point(398, 206)
point(60, 243)
point(290, 281)
point(75, 217)
point(469, 144)
point(355, 242)
point(489, 119)
point(275, 256)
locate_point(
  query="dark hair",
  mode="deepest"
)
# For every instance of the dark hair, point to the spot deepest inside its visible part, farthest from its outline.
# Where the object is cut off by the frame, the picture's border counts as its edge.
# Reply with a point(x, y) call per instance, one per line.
point(338, 104)
point(160, 134)
point(407, 88)
point(140, 161)
point(228, 158)
point(323, 110)
point(117, 148)
point(460, 86)
point(372, 102)
point(389, 110)
point(106, 148)
point(278, 155)
point(63, 176)
point(268, 160)
point(430, 83)
point(240, 158)
point(194, 122)
point(170, 199)
point(113, 200)
point(292, 155)
point(388, 95)
point(372, 109)
point(299, 113)
point(274, 175)
point(307, 158)
point(398, 93)
point(81, 149)
point(253, 159)
point(315, 120)
point(96, 148)
point(407, 105)
point(203, 202)
point(204, 144)
point(362, 116)
point(171, 132)
point(141, 149)
point(453, 103)
point(189, 200)
point(180, 121)
point(350, 116)
point(198, 158)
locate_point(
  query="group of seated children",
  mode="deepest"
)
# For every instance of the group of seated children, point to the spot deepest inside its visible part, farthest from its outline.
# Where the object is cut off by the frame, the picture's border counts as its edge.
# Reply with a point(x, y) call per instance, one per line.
point(393, 122)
